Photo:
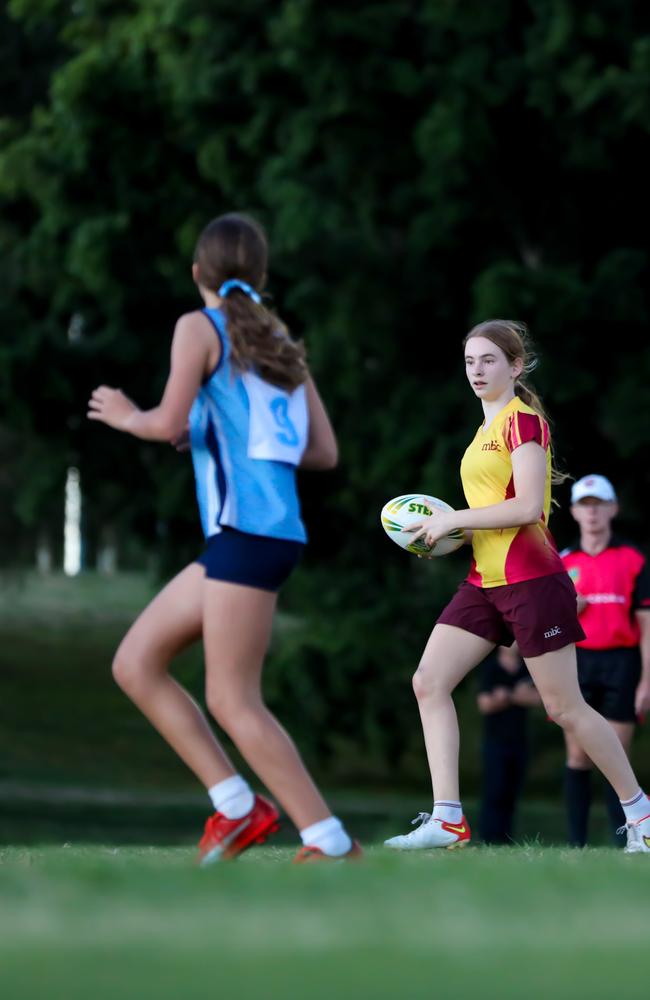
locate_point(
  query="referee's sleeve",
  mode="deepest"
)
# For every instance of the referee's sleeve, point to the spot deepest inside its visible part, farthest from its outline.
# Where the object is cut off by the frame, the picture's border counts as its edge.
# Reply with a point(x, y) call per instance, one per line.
point(641, 592)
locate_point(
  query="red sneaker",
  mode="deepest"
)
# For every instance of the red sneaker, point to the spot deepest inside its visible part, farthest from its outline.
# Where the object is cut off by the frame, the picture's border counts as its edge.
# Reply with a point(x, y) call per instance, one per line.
point(307, 855)
point(225, 838)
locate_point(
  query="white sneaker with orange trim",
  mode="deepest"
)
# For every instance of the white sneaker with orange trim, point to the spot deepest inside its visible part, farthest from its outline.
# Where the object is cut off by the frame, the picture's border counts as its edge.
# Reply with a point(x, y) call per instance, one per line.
point(432, 833)
point(638, 836)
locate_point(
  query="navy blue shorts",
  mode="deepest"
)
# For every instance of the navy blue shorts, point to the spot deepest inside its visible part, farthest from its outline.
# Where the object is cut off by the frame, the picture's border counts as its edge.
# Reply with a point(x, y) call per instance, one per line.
point(250, 560)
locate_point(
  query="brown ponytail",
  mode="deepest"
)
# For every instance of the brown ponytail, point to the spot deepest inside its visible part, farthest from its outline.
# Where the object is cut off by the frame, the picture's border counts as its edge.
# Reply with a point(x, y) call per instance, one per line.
point(259, 340)
point(235, 246)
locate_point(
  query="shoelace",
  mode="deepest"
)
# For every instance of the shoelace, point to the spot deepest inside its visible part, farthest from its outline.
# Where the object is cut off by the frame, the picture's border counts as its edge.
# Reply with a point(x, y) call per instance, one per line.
point(632, 828)
point(421, 819)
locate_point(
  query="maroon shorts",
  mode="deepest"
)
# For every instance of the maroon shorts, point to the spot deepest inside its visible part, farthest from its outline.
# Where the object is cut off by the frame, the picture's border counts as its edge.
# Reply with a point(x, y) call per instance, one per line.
point(541, 614)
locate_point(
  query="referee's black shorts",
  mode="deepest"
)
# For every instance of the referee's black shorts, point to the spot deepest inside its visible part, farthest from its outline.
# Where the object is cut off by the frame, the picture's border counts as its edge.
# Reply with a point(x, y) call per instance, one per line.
point(608, 680)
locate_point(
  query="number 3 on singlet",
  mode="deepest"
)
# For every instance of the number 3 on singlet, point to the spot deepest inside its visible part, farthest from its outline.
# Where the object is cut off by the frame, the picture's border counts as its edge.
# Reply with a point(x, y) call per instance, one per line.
point(278, 421)
point(287, 434)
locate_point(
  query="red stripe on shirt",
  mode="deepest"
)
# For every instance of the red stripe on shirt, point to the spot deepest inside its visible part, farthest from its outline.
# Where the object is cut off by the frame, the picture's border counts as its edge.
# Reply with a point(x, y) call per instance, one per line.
point(529, 428)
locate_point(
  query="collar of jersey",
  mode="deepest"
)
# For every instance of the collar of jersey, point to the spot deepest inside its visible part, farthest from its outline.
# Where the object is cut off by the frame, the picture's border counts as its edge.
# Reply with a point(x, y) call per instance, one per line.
point(615, 542)
point(485, 431)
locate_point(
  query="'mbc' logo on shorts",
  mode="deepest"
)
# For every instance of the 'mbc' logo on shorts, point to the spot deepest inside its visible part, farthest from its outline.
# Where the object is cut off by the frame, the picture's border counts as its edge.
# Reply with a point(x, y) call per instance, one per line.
point(556, 630)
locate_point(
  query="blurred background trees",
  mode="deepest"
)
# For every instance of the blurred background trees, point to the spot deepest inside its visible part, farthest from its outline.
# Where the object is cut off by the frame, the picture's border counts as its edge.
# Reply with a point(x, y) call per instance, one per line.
point(419, 166)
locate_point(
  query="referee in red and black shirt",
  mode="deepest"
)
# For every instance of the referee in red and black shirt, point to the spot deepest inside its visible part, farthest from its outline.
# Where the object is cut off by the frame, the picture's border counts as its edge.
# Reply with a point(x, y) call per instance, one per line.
point(612, 579)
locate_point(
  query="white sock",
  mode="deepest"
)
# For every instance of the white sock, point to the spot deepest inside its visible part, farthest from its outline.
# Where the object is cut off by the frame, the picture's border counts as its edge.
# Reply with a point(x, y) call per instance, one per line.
point(636, 808)
point(448, 812)
point(233, 797)
point(329, 835)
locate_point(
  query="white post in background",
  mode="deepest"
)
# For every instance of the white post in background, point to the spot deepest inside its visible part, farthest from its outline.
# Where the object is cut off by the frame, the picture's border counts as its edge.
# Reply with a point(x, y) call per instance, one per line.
point(72, 524)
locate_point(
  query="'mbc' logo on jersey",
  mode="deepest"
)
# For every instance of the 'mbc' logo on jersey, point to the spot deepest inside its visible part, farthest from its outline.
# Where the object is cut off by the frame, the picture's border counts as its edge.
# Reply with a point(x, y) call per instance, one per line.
point(491, 446)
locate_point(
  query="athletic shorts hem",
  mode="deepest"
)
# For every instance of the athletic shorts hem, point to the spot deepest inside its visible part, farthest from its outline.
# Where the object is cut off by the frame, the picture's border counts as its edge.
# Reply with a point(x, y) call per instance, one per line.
point(540, 614)
point(257, 561)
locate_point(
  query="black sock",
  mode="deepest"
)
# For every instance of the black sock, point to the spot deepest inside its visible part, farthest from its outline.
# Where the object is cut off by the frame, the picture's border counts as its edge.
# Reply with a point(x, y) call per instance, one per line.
point(614, 811)
point(577, 791)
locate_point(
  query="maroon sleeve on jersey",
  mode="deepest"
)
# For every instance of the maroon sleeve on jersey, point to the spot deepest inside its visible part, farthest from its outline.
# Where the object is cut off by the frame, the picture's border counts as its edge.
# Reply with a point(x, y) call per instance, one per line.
point(524, 427)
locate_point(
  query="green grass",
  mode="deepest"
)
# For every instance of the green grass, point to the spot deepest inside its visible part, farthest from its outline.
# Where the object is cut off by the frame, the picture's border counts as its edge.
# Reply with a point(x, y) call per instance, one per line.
point(92, 918)
point(63, 720)
point(531, 922)
point(78, 762)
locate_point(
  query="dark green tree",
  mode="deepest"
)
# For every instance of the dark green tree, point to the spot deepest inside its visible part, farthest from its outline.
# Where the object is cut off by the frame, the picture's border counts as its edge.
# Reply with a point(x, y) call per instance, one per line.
point(419, 167)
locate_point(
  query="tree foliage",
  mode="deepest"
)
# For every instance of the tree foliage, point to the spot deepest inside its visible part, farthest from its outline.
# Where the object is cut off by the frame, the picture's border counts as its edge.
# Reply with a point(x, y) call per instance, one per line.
point(418, 166)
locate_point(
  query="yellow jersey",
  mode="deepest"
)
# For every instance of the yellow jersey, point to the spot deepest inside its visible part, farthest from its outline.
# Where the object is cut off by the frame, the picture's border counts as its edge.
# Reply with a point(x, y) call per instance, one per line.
point(507, 555)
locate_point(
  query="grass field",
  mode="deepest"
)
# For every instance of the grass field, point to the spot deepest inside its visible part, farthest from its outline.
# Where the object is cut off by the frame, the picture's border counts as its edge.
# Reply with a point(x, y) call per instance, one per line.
point(79, 763)
point(90, 909)
point(64, 722)
point(92, 922)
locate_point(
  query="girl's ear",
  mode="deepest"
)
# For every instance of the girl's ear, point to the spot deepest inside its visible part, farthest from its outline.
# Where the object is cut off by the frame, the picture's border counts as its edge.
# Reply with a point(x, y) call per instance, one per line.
point(517, 367)
point(195, 273)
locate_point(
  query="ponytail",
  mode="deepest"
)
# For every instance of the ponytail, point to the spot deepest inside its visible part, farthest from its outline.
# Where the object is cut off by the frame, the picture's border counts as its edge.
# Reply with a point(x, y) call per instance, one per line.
point(259, 340)
point(231, 257)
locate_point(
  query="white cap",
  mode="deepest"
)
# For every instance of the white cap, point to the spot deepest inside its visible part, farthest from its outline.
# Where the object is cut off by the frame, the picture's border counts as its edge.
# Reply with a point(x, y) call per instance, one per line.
point(593, 486)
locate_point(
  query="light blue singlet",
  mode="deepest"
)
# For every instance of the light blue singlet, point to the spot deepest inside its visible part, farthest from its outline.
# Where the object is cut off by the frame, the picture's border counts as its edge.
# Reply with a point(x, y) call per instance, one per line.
point(247, 438)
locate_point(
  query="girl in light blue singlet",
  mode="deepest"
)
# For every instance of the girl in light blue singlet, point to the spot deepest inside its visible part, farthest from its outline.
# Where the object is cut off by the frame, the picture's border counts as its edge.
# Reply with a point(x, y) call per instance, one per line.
point(239, 392)
point(247, 438)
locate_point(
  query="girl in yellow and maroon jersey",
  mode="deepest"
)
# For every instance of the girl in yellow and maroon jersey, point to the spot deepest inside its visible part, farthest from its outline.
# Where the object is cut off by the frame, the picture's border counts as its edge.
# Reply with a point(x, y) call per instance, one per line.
point(517, 589)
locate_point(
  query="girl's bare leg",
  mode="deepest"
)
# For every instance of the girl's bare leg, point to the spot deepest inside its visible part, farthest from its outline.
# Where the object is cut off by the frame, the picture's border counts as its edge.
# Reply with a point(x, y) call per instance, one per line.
point(172, 621)
point(578, 759)
point(556, 678)
point(448, 656)
point(625, 733)
point(237, 624)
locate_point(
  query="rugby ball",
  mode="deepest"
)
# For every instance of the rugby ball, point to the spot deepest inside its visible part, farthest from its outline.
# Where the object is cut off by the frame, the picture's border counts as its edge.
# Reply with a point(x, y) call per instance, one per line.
point(409, 509)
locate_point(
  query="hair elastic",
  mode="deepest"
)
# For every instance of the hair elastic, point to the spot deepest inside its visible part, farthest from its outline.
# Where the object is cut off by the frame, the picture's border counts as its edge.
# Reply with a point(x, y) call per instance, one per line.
point(243, 286)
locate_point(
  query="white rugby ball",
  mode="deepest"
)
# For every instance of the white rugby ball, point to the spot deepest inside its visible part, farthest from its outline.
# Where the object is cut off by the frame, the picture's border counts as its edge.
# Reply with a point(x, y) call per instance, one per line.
point(409, 509)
